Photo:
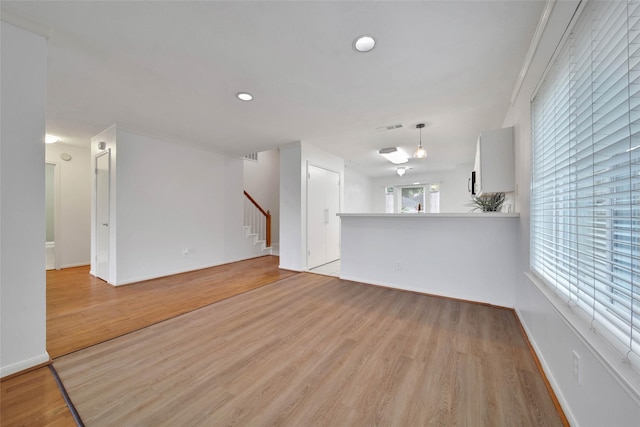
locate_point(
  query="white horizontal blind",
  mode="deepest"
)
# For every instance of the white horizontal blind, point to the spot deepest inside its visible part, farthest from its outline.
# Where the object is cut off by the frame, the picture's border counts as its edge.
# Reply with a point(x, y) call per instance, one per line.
point(585, 184)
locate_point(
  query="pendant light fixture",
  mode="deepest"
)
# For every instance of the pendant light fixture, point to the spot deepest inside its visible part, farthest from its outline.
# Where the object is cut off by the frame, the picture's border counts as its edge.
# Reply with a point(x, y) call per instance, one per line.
point(420, 152)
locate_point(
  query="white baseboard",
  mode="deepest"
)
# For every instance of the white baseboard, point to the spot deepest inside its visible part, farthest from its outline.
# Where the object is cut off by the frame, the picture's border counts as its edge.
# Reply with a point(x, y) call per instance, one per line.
point(423, 291)
point(275, 248)
point(171, 273)
point(24, 364)
point(80, 264)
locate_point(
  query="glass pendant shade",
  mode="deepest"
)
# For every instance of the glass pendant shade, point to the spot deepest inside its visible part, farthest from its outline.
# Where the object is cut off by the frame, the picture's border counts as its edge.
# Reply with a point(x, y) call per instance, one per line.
point(420, 152)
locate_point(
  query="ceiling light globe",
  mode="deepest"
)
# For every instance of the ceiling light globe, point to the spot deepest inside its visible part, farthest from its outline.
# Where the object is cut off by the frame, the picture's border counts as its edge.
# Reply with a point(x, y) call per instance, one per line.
point(364, 43)
point(244, 96)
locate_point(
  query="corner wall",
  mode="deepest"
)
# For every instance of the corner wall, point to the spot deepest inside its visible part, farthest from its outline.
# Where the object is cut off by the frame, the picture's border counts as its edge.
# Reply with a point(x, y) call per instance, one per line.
point(600, 400)
point(358, 192)
point(22, 200)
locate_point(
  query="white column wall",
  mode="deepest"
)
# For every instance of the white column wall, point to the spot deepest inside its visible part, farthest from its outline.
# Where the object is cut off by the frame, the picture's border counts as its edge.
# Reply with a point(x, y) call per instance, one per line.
point(22, 200)
point(291, 226)
point(600, 400)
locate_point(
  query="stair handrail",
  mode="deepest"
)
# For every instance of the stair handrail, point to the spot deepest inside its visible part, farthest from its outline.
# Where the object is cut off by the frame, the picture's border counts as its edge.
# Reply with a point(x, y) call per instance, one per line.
point(267, 216)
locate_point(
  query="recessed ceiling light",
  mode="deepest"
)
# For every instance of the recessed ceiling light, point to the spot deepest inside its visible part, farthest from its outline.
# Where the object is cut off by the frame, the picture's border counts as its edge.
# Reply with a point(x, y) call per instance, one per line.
point(364, 43)
point(50, 139)
point(244, 96)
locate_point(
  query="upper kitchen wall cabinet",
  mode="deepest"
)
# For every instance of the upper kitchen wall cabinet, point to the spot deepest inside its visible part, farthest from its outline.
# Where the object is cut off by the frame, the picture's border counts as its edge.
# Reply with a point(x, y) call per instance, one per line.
point(494, 165)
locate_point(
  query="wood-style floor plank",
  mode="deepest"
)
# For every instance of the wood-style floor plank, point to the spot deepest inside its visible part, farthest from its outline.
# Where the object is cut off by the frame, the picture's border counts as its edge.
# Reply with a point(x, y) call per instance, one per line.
point(83, 310)
point(315, 350)
point(33, 399)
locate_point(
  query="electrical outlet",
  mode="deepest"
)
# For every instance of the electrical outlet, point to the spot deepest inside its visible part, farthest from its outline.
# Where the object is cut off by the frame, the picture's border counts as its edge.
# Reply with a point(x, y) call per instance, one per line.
point(185, 252)
point(398, 266)
point(576, 364)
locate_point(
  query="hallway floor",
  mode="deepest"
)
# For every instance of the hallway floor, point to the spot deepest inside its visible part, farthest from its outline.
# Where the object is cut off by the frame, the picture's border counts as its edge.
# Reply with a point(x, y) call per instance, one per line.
point(329, 269)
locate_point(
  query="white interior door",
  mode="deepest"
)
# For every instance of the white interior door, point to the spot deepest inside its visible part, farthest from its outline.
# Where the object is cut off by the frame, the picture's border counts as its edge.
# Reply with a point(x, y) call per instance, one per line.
point(323, 226)
point(103, 172)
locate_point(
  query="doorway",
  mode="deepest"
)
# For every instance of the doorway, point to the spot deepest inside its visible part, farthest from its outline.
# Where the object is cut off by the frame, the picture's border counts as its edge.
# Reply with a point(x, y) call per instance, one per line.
point(323, 226)
point(103, 185)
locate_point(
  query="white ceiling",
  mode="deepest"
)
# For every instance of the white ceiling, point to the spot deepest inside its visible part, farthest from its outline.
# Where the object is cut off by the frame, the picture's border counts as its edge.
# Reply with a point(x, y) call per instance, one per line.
point(173, 69)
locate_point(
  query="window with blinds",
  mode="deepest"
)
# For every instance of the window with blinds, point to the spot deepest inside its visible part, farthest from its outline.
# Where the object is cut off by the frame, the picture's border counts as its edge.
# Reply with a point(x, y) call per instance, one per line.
point(585, 183)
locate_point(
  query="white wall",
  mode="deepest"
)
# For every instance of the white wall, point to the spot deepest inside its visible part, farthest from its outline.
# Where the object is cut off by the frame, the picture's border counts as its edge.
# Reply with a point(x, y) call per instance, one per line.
point(600, 400)
point(434, 254)
point(170, 197)
point(262, 182)
point(291, 178)
point(22, 200)
point(454, 196)
point(73, 216)
point(294, 160)
point(358, 192)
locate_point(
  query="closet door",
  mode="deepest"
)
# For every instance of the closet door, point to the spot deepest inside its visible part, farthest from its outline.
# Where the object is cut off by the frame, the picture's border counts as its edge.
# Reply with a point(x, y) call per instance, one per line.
point(323, 226)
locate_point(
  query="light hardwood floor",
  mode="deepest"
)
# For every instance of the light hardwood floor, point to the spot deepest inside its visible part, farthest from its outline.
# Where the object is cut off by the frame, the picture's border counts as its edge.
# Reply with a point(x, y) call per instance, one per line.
point(83, 311)
point(33, 399)
point(315, 350)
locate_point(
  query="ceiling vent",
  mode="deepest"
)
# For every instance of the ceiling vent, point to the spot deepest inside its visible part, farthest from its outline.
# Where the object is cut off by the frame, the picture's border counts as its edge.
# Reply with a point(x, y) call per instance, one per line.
point(252, 157)
point(389, 127)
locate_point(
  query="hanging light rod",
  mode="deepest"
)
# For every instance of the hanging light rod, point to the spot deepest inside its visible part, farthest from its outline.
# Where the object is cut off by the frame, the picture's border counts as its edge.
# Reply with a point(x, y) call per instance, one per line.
point(420, 152)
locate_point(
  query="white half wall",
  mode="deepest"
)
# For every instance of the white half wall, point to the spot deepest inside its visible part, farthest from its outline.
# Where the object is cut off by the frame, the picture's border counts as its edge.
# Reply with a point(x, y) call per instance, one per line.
point(470, 257)
point(171, 198)
point(73, 216)
point(600, 400)
point(22, 200)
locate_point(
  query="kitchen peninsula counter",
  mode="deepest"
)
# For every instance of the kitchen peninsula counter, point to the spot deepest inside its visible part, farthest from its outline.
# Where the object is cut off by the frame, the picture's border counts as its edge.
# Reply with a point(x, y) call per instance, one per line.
point(469, 256)
point(472, 215)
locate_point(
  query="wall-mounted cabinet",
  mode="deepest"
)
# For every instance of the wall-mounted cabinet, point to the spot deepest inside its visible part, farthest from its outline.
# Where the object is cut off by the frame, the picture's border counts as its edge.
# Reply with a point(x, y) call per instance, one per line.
point(494, 166)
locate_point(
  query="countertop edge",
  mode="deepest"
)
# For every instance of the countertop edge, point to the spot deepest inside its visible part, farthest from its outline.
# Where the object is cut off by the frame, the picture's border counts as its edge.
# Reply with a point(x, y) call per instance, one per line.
point(479, 215)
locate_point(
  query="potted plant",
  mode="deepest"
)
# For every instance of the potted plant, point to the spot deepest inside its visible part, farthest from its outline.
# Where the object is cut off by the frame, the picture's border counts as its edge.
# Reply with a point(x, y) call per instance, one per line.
point(488, 202)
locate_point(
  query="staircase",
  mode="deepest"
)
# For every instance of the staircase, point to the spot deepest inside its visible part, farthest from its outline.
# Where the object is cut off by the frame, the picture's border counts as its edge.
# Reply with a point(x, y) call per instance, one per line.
point(257, 225)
